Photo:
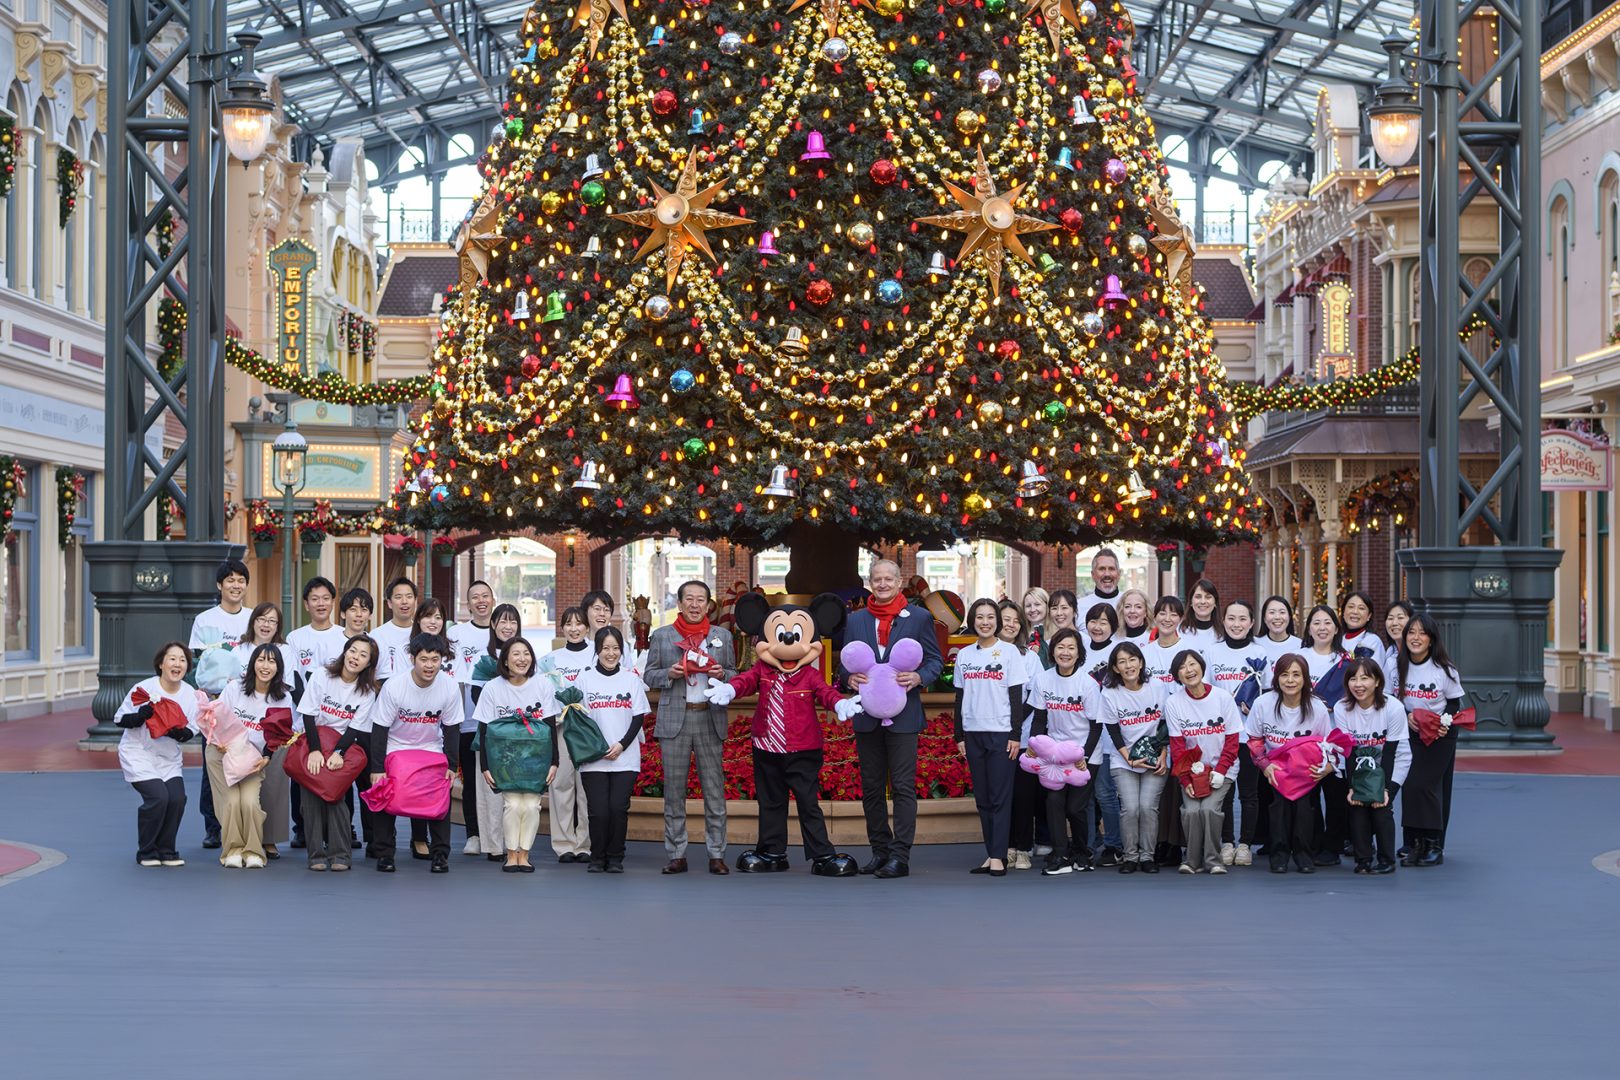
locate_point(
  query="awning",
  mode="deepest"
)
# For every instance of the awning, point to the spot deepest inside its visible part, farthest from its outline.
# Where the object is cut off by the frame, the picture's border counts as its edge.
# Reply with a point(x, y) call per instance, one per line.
point(1362, 436)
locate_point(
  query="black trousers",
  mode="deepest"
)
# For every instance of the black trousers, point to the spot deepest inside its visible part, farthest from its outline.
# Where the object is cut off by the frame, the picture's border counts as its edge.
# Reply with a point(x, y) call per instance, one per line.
point(383, 834)
point(607, 802)
point(1068, 805)
point(888, 762)
point(368, 819)
point(470, 795)
point(1367, 824)
point(992, 772)
point(1029, 802)
point(1423, 797)
point(1254, 797)
point(157, 822)
point(799, 773)
point(1293, 824)
point(205, 804)
point(1335, 813)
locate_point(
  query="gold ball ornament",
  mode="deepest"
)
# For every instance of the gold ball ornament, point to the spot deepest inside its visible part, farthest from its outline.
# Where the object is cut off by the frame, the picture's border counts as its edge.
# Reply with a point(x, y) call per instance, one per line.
point(861, 233)
point(1137, 245)
point(990, 412)
point(968, 122)
point(550, 202)
point(889, 8)
point(443, 407)
point(1115, 90)
point(975, 504)
point(1150, 330)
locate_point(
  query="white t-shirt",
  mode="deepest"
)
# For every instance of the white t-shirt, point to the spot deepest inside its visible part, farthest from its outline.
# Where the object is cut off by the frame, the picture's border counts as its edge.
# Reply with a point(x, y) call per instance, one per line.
point(1275, 723)
point(337, 704)
point(1205, 723)
point(250, 709)
point(393, 654)
point(1368, 644)
point(470, 642)
point(141, 756)
point(415, 715)
point(501, 700)
point(312, 648)
point(1374, 728)
point(984, 676)
point(564, 665)
point(244, 652)
point(1158, 659)
point(1229, 667)
point(1429, 687)
point(1200, 639)
point(1137, 712)
point(232, 627)
point(1091, 600)
point(612, 702)
point(1073, 703)
point(1276, 649)
point(1032, 668)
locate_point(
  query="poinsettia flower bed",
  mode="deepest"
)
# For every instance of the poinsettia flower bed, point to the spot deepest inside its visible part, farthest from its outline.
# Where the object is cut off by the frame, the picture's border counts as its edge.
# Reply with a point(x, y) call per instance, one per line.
point(941, 771)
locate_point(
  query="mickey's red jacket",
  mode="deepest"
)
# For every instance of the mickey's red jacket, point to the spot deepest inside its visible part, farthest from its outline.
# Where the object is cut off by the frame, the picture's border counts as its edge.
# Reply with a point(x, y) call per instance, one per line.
point(784, 720)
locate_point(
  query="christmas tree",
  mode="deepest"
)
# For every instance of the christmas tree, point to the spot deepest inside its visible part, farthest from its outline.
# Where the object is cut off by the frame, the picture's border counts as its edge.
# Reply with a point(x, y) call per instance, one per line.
point(812, 272)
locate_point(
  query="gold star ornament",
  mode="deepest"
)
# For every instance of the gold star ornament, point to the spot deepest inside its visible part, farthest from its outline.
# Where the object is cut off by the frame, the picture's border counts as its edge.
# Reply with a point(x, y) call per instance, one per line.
point(594, 16)
point(991, 221)
point(830, 10)
point(678, 219)
point(1172, 239)
point(478, 239)
point(1055, 12)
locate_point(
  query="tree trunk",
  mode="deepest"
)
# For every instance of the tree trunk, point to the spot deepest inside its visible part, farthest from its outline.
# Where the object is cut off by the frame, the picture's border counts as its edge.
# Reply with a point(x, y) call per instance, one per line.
point(824, 559)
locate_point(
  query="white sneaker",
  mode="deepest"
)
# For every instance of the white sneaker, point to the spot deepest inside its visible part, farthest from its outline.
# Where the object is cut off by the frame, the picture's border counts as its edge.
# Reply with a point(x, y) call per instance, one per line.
point(1217, 869)
point(1018, 860)
point(1244, 856)
point(1228, 853)
point(151, 862)
point(1186, 868)
point(176, 861)
point(232, 861)
point(253, 862)
point(472, 847)
point(1043, 849)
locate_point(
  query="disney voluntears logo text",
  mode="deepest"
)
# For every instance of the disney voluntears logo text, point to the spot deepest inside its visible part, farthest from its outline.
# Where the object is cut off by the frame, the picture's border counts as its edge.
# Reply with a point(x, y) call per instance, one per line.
point(991, 672)
point(605, 701)
point(421, 718)
point(338, 711)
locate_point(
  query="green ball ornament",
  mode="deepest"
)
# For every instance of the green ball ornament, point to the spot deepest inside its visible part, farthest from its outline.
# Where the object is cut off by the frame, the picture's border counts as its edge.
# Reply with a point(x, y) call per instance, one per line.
point(694, 448)
point(1054, 412)
point(514, 128)
point(995, 7)
point(921, 67)
point(592, 193)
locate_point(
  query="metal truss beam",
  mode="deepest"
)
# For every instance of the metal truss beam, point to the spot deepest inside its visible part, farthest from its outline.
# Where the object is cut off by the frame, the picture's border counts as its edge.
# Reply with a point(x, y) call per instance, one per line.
point(343, 21)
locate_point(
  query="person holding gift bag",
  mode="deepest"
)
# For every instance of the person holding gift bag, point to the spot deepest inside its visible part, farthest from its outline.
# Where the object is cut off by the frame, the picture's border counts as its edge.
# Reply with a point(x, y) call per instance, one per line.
point(1378, 765)
point(1426, 680)
point(570, 817)
point(1132, 710)
point(157, 715)
point(1238, 665)
point(1205, 729)
point(1067, 706)
point(1028, 797)
point(989, 682)
point(264, 628)
point(516, 719)
point(259, 703)
point(337, 700)
point(415, 737)
point(1288, 711)
point(614, 700)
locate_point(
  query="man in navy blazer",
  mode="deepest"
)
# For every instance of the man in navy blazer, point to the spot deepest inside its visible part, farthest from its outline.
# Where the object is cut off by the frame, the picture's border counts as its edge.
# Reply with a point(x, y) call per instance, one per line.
point(888, 755)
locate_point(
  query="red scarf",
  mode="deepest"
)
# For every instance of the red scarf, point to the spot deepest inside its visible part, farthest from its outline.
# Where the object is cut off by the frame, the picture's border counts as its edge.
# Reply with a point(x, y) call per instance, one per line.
point(692, 634)
point(885, 613)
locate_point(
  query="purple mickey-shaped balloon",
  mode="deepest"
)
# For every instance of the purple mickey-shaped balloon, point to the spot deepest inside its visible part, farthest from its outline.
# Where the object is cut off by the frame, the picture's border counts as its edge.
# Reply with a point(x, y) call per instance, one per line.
point(882, 696)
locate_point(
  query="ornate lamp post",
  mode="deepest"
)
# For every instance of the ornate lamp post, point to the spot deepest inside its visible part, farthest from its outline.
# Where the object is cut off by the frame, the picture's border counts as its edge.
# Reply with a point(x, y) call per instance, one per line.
point(287, 458)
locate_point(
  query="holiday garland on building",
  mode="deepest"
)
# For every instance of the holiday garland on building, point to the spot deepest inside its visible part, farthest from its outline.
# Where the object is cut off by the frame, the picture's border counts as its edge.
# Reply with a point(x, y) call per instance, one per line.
point(812, 340)
point(8, 154)
point(70, 489)
point(319, 521)
point(13, 485)
point(69, 178)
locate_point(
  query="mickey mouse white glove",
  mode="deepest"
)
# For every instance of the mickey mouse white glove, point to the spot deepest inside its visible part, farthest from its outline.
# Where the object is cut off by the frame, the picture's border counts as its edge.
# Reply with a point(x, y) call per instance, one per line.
point(720, 693)
point(848, 709)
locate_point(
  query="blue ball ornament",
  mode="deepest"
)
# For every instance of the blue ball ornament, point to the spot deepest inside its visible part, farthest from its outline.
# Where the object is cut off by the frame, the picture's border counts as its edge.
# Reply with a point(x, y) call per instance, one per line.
point(440, 493)
point(681, 381)
point(890, 291)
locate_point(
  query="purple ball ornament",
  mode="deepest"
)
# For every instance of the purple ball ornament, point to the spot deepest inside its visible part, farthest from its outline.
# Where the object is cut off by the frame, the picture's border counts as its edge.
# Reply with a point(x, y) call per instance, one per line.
point(1114, 172)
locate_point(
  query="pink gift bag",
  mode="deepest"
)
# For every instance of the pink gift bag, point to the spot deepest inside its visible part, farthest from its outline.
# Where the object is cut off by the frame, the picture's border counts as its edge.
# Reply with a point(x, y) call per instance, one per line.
point(414, 785)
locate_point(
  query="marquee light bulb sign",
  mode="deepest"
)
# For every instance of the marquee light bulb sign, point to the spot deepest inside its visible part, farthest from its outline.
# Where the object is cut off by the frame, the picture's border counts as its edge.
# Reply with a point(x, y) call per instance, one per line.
point(295, 265)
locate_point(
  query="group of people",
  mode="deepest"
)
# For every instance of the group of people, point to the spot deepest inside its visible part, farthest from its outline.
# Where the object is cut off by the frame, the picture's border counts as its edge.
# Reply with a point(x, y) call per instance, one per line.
point(1176, 715)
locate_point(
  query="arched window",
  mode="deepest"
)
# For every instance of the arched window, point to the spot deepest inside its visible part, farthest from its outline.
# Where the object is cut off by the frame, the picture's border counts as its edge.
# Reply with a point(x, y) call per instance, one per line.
point(1609, 250)
point(1561, 241)
point(72, 236)
point(1414, 304)
point(94, 199)
point(13, 216)
point(43, 156)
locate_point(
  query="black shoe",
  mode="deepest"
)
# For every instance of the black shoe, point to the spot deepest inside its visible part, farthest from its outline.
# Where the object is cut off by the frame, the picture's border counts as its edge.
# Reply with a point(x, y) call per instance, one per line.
point(1127, 867)
point(423, 853)
point(1363, 867)
point(511, 868)
point(526, 868)
point(354, 844)
point(874, 864)
point(1279, 862)
point(1304, 864)
point(839, 865)
point(1403, 851)
point(1110, 857)
point(441, 864)
point(1056, 866)
point(1384, 868)
point(615, 866)
point(1414, 855)
point(568, 857)
point(1433, 855)
point(298, 842)
point(385, 863)
point(1084, 865)
point(211, 841)
point(596, 868)
point(1325, 858)
point(1148, 866)
point(892, 868)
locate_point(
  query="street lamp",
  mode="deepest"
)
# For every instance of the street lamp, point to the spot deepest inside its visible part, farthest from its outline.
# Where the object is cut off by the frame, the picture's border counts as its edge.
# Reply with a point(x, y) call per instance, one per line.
point(287, 460)
point(245, 107)
point(1395, 118)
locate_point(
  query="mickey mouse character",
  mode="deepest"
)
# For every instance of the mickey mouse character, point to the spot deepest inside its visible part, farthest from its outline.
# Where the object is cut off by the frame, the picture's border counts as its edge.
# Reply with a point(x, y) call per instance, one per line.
point(786, 732)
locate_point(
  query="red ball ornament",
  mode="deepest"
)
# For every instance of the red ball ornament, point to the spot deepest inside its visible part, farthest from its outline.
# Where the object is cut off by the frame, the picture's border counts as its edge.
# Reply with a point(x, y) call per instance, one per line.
point(883, 172)
point(531, 366)
point(819, 292)
point(1008, 351)
point(1072, 220)
point(664, 103)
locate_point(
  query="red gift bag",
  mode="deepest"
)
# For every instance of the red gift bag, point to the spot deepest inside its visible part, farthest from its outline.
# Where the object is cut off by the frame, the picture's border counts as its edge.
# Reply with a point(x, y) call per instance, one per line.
point(1428, 723)
point(1195, 784)
point(166, 713)
point(277, 728)
point(329, 784)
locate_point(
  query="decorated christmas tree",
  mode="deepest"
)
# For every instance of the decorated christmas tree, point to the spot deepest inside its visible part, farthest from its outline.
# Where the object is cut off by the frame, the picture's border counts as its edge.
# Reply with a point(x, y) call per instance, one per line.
point(821, 274)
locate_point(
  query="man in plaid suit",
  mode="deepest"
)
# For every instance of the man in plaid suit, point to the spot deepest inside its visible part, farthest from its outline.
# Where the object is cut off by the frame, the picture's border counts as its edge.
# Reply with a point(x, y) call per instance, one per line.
point(681, 660)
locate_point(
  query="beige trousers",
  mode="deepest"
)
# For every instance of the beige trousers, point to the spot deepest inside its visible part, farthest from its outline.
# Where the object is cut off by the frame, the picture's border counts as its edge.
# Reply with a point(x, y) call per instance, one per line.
point(570, 826)
point(492, 837)
point(521, 814)
point(241, 818)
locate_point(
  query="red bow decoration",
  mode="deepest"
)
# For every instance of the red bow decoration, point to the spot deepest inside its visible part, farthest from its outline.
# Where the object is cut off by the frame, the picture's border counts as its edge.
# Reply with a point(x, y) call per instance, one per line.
point(1428, 723)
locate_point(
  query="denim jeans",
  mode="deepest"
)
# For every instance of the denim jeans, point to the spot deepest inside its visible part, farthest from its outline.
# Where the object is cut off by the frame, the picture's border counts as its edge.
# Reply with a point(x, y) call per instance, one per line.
point(1105, 805)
